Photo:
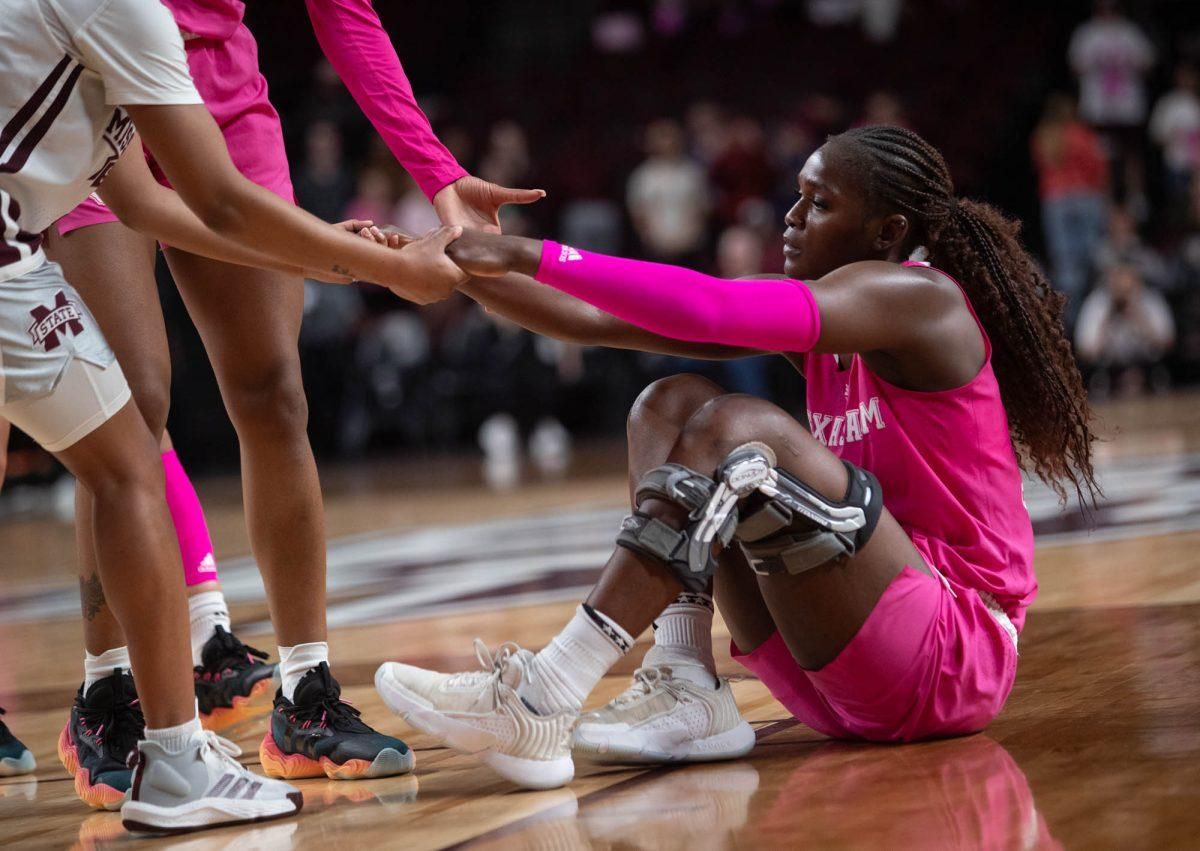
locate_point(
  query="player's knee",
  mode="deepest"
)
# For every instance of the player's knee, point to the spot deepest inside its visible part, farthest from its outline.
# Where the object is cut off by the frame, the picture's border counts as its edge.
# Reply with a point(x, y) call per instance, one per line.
point(721, 424)
point(673, 399)
point(271, 404)
point(134, 474)
point(153, 399)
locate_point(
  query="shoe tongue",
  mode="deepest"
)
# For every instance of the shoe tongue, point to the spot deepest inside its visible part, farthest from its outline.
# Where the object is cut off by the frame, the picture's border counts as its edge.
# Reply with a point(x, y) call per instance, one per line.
point(317, 685)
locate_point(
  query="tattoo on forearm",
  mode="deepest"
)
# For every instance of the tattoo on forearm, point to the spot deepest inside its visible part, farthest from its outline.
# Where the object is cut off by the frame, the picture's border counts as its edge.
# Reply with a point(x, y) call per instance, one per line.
point(91, 596)
point(342, 270)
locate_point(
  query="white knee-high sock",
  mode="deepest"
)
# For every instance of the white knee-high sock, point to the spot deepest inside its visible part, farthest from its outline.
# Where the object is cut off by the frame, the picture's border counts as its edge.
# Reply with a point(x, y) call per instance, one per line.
point(566, 670)
point(96, 668)
point(683, 639)
point(295, 662)
point(207, 611)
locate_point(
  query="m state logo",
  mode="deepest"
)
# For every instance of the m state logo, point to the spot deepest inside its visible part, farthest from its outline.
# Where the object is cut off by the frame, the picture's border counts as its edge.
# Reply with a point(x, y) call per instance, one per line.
point(50, 322)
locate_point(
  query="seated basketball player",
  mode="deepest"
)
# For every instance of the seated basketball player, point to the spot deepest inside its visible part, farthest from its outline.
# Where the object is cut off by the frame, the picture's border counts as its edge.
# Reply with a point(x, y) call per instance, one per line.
point(874, 563)
point(79, 77)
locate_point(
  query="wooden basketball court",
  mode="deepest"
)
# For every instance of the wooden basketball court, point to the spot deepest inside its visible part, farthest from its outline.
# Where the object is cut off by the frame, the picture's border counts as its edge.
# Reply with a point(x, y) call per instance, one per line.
point(1099, 746)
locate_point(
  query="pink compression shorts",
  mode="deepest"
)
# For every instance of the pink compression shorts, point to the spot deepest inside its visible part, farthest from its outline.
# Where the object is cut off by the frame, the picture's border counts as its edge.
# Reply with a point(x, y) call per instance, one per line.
point(925, 664)
point(227, 76)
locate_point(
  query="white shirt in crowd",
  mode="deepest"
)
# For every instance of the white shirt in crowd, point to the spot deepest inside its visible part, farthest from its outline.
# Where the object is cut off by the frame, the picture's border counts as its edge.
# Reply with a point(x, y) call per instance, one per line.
point(1142, 331)
point(1111, 57)
point(1175, 125)
point(66, 67)
point(669, 203)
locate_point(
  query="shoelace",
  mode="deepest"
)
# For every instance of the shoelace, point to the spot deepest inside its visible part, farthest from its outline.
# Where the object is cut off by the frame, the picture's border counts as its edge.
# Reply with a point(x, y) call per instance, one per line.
point(225, 750)
point(235, 655)
point(331, 711)
point(494, 666)
point(645, 681)
point(121, 724)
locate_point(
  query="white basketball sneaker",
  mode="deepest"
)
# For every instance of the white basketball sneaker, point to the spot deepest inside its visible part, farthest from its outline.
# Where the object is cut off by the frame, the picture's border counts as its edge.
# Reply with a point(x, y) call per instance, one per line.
point(480, 713)
point(665, 718)
point(203, 786)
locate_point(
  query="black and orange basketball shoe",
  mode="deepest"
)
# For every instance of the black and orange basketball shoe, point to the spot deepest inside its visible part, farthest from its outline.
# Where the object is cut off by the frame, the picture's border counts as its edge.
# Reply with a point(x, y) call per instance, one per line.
point(15, 758)
point(319, 733)
point(230, 675)
point(95, 745)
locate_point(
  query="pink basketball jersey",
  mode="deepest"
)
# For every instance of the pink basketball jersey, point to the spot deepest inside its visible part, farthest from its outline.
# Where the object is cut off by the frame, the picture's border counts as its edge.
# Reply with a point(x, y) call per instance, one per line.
point(947, 466)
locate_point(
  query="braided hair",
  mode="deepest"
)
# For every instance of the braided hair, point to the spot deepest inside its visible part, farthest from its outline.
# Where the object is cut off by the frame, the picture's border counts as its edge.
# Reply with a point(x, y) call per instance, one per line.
point(1047, 408)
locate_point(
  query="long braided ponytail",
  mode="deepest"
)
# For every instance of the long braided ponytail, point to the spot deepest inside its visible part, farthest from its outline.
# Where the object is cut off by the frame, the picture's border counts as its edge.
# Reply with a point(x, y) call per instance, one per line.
point(1048, 413)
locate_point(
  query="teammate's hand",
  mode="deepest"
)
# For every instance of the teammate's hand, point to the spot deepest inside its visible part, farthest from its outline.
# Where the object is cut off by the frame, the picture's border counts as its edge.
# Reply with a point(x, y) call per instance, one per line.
point(364, 228)
point(475, 203)
point(487, 255)
point(426, 274)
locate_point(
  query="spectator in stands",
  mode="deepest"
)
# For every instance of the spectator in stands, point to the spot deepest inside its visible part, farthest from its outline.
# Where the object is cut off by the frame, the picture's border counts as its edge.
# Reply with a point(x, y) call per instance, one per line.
point(1175, 127)
point(374, 198)
point(1125, 330)
point(743, 172)
point(740, 254)
point(1111, 56)
point(1072, 183)
point(883, 107)
point(324, 186)
point(413, 213)
point(1123, 246)
point(668, 198)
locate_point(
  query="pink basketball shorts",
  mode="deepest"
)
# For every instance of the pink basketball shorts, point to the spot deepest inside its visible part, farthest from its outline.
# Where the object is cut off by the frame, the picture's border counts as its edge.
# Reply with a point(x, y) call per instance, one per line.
point(227, 76)
point(926, 663)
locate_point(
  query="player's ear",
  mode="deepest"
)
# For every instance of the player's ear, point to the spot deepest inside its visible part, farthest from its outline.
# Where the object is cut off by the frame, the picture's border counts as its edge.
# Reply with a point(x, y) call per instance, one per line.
point(891, 231)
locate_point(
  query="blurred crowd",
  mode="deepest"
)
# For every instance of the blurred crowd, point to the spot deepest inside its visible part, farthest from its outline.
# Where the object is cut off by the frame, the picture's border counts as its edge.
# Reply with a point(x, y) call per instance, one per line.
point(706, 185)
point(1119, 181)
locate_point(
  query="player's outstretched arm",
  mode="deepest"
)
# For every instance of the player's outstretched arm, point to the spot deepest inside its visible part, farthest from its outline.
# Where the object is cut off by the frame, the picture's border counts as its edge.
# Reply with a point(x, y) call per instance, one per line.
point(188, 146)
point(869, 306)
point(359, 49)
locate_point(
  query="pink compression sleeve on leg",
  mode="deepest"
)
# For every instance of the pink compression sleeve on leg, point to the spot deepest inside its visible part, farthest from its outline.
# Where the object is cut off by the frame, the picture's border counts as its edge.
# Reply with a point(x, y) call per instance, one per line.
point(195, 545)
point(778, 315)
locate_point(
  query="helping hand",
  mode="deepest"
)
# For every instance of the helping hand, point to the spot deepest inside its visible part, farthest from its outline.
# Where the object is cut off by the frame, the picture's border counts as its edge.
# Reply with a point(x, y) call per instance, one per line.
point(427, 274)
point(475, 203)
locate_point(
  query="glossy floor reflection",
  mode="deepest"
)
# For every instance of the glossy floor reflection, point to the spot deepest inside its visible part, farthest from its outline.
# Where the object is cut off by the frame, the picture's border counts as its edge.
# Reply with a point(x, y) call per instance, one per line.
point(1099, 746)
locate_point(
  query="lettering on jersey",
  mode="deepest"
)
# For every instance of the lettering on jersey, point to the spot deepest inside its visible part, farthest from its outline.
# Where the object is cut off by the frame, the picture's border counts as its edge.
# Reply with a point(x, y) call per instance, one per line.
point(850, 427)
point(117, 135)
point(50, 322)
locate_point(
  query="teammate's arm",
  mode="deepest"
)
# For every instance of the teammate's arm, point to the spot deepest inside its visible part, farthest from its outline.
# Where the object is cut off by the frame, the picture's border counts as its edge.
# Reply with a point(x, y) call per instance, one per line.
point(188, 146)
point(358, 47)
point(145, 205)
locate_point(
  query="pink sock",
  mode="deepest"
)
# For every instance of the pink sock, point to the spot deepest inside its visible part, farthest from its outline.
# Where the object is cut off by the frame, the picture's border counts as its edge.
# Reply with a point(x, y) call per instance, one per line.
point(195, 545)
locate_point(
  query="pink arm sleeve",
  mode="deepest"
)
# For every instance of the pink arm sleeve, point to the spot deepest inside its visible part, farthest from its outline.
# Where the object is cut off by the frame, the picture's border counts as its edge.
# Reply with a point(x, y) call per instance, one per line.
point(359, 49)
point(776, 315)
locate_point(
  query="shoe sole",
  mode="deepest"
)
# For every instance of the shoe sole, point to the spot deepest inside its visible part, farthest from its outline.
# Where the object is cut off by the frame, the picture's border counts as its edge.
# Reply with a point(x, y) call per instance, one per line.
point(632, 747)
point(98, 796)
point(275, 763)
point(14, 766)
point(227, 716)
point(205, 813)
point(464, 738)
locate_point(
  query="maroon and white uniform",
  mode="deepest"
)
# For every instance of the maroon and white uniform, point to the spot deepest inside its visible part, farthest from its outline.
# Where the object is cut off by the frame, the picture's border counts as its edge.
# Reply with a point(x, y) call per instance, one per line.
point(66, 69)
